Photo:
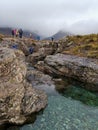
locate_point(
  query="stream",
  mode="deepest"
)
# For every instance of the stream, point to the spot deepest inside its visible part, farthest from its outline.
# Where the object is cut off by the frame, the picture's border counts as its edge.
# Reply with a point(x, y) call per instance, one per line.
point(68, 109)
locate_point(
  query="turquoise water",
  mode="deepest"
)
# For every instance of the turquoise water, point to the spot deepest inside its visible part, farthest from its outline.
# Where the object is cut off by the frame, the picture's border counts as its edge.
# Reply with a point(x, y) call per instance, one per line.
point(65, 113)
point(81, 94)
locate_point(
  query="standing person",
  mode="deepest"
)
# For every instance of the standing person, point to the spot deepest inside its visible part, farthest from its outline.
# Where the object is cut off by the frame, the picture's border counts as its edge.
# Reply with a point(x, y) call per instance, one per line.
point(20, 33)
point(13, 33)
point(17, 32)
point(38, 38)
point(30, 35)
point(31, 50)
point(52, 39)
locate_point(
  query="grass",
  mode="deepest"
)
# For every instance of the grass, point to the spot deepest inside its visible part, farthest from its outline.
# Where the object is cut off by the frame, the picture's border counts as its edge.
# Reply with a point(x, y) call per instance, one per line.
point(86, 45)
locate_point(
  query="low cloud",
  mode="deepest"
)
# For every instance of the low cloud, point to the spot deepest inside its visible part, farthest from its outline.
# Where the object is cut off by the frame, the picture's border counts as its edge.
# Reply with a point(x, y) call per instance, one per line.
point(48, 17)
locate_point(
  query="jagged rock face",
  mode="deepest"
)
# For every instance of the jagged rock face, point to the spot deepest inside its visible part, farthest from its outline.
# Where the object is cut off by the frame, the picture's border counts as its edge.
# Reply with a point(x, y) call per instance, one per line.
point(17, 97)
point(82, 69)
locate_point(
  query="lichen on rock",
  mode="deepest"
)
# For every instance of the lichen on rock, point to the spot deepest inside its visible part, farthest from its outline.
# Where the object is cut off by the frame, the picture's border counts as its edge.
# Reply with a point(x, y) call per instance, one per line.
point(18, 100)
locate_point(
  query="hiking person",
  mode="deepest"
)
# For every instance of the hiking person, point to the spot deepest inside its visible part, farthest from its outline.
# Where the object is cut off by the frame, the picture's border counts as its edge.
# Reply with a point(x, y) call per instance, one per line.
point(31, 50)
point(20, 33)
point(13, 33)
point(38, 38)
point(30, 35)
point(17, 32)
point(52, 39)
point(15, 46)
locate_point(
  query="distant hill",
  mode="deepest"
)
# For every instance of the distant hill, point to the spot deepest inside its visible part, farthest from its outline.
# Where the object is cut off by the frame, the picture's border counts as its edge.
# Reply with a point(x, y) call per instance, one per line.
point(59, 35)
point(26, 33)
point(5, 31)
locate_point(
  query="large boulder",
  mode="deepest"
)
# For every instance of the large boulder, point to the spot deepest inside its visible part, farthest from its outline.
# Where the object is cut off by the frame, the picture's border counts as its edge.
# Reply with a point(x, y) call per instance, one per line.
point(18, 100)
point(79, 68)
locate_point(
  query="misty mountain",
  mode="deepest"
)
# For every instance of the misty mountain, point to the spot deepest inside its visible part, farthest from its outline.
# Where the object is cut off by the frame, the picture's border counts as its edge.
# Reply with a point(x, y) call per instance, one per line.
point(26, 33)
point(59, 35)
point(5, 31)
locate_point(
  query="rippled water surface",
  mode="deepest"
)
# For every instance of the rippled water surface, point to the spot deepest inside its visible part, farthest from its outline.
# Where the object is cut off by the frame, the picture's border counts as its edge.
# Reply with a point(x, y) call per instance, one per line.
point(65, 113)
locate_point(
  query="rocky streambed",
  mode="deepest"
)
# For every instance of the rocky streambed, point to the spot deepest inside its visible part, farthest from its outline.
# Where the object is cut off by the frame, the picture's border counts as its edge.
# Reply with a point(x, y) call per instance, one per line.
point(24, 89)
point(63, 112)
point(72, 107)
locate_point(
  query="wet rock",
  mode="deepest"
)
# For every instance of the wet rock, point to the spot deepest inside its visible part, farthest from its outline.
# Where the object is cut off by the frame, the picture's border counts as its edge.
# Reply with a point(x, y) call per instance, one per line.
point(61, 85)
point(41, 81)
point(17, 97)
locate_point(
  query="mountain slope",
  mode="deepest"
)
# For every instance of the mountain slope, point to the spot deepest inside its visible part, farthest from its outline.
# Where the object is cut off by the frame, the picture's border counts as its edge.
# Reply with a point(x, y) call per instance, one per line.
point(59, 35)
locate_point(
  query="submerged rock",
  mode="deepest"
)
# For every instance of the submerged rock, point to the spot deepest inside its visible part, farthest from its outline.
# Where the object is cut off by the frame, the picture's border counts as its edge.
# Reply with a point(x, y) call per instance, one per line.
point(17, 97)
point(65, 114)
point(41, 81)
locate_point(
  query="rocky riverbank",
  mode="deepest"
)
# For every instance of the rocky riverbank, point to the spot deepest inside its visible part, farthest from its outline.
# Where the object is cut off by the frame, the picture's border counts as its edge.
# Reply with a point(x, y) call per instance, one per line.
point(20, 93)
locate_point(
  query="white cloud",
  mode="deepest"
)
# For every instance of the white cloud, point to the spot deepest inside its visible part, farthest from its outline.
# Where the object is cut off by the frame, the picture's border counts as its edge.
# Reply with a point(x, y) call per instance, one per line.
point(48, 16)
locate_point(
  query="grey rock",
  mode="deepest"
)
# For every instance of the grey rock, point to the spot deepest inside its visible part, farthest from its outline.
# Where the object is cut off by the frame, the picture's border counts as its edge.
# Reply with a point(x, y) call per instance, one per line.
point(80, 68)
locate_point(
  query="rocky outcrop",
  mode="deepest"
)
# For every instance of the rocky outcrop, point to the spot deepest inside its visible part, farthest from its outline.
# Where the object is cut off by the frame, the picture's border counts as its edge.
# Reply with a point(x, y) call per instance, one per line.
point(40, 55)
point(40, 48)
point(15, 44)
point(18, 100)
point(79, 68)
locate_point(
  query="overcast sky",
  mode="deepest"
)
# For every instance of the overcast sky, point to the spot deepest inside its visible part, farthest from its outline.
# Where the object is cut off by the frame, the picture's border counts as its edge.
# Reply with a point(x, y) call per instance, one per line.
point(49, 16)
